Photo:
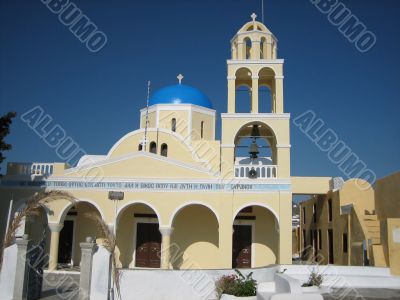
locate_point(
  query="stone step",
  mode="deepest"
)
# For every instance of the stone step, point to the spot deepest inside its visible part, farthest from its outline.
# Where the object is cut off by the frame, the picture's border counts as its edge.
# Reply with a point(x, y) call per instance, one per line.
point(372, 223)
point(374, 235)
point(370, 217)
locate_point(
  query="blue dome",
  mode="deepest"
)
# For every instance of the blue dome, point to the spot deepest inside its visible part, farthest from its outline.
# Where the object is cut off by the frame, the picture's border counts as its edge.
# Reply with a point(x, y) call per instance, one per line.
point(180, 94)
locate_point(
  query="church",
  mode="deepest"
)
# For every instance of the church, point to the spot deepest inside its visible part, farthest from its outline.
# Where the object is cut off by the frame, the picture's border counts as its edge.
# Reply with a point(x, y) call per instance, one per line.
point(174, 196)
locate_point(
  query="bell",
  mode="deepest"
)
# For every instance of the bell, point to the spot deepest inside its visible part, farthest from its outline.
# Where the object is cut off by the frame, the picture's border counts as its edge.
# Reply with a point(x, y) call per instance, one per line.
point(255, 132)
point(253, 149)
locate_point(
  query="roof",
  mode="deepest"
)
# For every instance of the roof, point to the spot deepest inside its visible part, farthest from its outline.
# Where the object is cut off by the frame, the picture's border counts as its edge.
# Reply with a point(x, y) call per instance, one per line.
point(180, 94)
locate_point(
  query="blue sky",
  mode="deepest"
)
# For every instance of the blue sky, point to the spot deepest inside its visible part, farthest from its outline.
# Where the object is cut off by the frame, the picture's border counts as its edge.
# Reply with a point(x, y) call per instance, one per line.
point(96, 97)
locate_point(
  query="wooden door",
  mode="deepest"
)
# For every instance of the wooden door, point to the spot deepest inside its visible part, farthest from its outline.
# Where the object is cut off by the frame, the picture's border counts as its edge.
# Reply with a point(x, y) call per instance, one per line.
point(241, 252)
point(148, 245)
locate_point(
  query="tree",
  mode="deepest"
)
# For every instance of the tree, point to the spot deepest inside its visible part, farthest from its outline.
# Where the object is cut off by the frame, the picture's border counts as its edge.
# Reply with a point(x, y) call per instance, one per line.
point(5, 122)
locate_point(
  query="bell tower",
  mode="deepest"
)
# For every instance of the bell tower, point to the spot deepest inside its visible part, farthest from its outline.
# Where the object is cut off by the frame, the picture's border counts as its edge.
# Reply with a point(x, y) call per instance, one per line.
point(255, 144)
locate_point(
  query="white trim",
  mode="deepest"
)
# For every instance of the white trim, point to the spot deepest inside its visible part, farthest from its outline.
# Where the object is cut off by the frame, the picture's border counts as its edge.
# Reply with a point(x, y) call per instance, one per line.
point(228, 145)
point(231, 77)
point(256, 204)
point(251, 223)
point(133, 202)
point(182, 206)
point(279, 77)
point(180, 107)
point(149, 220)
point(168, 160)
point(73, 219)
point(271, 116)
point(232, 180)
point(141, 131)
point(255, 62)
point(283, 146)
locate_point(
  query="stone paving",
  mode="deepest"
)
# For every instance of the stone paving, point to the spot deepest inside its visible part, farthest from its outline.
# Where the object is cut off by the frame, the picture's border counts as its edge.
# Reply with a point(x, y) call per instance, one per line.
point(63, 286)
point(363, 294)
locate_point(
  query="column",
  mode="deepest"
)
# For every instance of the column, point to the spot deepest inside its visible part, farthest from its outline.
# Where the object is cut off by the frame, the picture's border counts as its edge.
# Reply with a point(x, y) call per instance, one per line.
point(241, 50)
point(256, 50)
point(165, 246)
point(278, 94)
point(55, 229)
point(22, 268)
point(225, 235)
point(254, 94)
point(268, 50)
point(87, 248)
point(231, 94)
point(285, 229)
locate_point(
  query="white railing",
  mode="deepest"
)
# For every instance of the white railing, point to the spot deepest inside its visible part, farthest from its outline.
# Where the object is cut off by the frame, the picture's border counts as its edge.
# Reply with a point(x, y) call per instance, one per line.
point(262, 171)
point(34, 169)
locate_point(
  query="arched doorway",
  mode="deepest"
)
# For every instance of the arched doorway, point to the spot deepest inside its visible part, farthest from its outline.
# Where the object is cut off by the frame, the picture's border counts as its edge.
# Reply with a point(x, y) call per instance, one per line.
point(255, 241)
point(77, 227)
point(195, 238)
point(138, 236)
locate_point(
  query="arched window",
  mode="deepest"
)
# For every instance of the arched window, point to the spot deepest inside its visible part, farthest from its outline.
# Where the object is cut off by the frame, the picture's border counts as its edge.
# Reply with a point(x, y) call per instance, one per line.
point(173, 124)
point(164, 150)
point(202, 129)
point(263, 48)
point(247, 48)
point(153, 147)
point(140, 147)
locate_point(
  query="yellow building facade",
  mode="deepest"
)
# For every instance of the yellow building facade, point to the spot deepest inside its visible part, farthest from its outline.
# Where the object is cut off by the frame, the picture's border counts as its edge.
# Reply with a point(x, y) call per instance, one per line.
point(186, 200)
point(176, 197)
point(352, 225)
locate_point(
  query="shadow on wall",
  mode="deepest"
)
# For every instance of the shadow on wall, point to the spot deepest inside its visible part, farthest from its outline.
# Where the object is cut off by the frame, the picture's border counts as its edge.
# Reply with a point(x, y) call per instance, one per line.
point(196, 237)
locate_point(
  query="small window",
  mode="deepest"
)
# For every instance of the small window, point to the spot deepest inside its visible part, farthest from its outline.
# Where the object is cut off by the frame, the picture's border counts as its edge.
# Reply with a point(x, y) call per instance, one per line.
point(140, 147)
point(153, 147)
point(315, 213)
point(164, 150)
point(304, 215)
point(345, 243)
point(202, 129)
point(330, 210)
point(173, 124)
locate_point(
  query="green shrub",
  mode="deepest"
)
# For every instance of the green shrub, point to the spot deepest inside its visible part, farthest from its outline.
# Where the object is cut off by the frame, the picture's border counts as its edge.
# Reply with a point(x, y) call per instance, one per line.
point(237, 285)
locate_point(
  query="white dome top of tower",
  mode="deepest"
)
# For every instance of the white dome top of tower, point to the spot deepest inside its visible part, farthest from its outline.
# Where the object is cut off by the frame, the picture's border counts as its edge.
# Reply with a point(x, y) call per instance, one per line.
point(254, 26)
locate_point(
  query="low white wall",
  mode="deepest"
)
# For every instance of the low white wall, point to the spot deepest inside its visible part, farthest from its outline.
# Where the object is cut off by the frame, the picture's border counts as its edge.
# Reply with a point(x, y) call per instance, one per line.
point(7, 275)
point(180, 284)
point(346, 276)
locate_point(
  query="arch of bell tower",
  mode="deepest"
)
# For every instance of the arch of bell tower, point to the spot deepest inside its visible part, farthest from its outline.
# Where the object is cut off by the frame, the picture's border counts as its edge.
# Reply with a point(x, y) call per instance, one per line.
point(254, 48)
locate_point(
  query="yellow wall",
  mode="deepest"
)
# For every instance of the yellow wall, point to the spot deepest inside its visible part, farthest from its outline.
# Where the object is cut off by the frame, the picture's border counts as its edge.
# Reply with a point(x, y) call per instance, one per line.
point(195, 234)
point(387, 196)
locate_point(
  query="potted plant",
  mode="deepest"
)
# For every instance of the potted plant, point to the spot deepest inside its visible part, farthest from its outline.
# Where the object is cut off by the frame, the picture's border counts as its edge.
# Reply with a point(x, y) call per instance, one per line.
point(236, 286)
point(314, 282)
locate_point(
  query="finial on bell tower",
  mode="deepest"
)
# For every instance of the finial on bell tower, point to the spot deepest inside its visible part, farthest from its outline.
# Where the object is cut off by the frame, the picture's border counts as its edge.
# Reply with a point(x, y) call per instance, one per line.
point(180, 77)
